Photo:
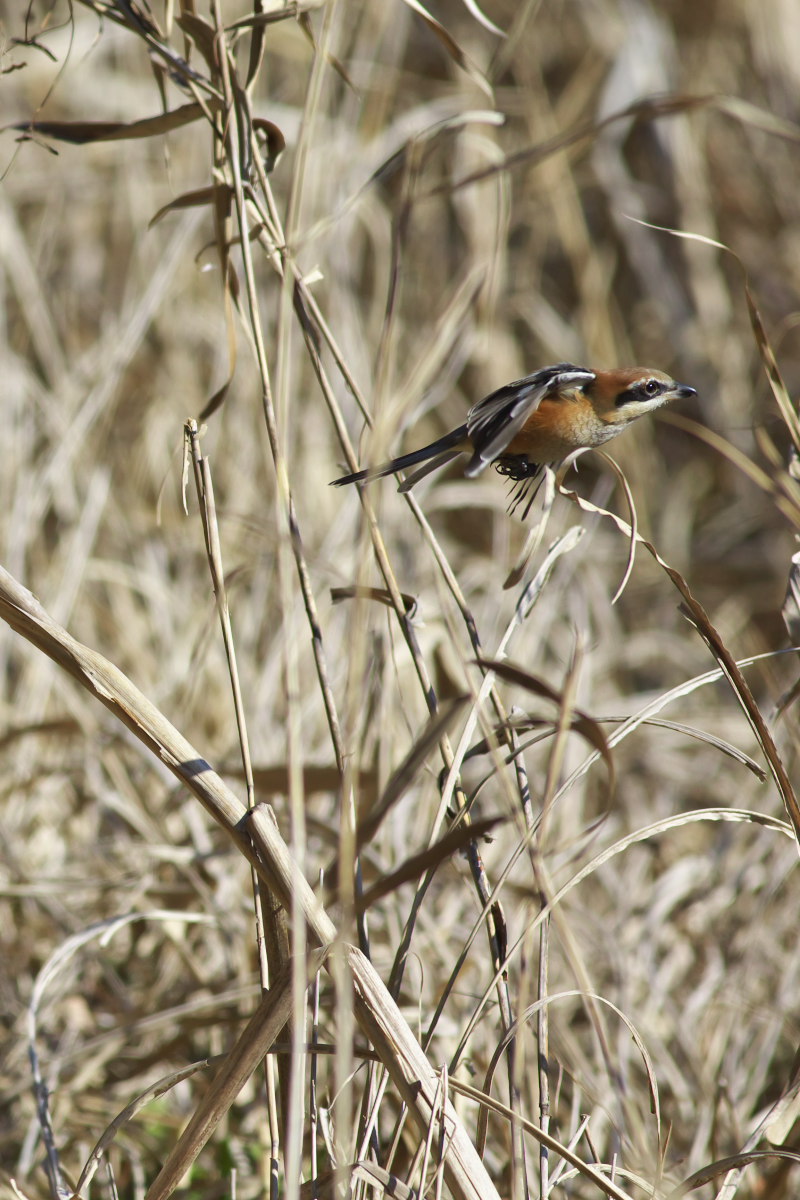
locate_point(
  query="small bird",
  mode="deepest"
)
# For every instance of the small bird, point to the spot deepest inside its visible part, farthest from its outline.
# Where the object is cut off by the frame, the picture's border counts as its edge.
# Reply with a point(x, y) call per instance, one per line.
point(537, 422)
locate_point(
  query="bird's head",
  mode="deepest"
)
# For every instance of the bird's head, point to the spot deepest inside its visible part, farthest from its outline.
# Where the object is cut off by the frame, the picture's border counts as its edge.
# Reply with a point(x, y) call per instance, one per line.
point(620, 396)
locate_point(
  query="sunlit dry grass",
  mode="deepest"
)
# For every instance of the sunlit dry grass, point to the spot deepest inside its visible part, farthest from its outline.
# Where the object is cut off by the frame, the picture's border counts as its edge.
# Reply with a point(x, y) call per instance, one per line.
point(454, 215)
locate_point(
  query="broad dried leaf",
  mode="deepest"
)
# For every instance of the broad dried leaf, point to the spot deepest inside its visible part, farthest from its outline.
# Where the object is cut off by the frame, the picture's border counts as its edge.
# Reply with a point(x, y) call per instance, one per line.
point(202, 34)
point(274, 779)
point(81, 133)
point(197, 199)
point(256, 41)
point(427, 860)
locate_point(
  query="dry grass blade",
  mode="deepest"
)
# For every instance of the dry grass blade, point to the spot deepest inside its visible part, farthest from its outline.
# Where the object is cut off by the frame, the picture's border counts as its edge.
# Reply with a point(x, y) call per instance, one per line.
point(629, 724)
point(766, 353)
point(203, 35)
point(779, 389)
point(159, 1088)
point(402, 778)
point(464, 1171)
point(781, 1118)
point(544, 730)
point(758, 117)
point(524, 1018)
point(272, 1015)
point(389, 1184)
point(428, 860)
point(584, 1169)
point(650, 109)
point(702, 735)
point(304, 22)
point(379, 1018)
point(731, 1163)
point(20, 609)
point(778, 484)
point(736, 816)
point(634, 524)
point(459, 56)
point(49, 974)
point(580, 722)
point(373, 814)
point(699, 618)
point(411, 251)
point(376, 1011)
point(480, 16)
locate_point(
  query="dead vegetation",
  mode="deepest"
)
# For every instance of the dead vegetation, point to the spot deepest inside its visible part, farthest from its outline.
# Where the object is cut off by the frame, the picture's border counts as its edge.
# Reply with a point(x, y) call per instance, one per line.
point(559, 827)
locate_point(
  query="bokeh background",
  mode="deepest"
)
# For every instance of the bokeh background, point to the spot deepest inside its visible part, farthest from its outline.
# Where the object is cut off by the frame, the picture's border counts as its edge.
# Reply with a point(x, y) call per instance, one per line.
point(464, 207)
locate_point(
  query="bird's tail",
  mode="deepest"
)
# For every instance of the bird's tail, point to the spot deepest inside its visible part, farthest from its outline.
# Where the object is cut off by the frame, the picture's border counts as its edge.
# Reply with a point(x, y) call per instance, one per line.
point(442, 451)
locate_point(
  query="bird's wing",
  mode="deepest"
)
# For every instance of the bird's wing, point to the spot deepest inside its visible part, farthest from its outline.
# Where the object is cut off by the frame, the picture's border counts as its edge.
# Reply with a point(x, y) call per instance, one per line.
point(495, 420)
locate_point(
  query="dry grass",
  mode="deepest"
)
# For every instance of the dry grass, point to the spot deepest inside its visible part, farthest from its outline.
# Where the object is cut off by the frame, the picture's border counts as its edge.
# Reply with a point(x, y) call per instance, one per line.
point(435, 251)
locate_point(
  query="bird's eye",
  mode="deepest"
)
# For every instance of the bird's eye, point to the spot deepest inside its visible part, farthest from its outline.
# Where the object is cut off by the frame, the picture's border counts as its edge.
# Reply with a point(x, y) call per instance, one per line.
point(652, 387)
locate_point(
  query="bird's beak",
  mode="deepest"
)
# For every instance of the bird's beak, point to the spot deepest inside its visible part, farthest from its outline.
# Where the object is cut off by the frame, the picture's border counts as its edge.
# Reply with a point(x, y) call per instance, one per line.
point(682, 392)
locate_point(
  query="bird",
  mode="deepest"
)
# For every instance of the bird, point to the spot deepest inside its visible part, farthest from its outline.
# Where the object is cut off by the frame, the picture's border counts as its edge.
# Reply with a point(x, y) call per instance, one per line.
point(536, 422)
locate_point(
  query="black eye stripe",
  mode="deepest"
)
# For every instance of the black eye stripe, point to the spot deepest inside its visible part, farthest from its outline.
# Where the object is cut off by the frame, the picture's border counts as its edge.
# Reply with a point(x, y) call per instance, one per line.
point(644, 389)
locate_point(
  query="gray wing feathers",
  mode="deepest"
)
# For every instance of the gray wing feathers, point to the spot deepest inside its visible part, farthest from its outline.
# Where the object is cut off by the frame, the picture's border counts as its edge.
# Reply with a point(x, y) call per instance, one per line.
point(495, 420)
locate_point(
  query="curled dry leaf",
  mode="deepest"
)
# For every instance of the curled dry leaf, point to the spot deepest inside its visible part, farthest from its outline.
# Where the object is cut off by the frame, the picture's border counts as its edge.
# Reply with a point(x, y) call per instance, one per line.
point(382, 595)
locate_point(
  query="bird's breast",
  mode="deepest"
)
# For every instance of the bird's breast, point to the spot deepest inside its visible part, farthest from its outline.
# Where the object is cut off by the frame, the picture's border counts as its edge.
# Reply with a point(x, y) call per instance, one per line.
point(557, 428)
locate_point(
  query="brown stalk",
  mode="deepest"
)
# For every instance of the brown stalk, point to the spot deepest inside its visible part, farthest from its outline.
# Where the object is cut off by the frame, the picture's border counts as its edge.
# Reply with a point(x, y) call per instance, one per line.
point(256, 835)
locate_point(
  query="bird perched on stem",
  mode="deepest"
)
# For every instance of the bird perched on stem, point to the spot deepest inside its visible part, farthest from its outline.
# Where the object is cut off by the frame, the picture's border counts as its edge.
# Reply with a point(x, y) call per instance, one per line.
point(537, 422)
